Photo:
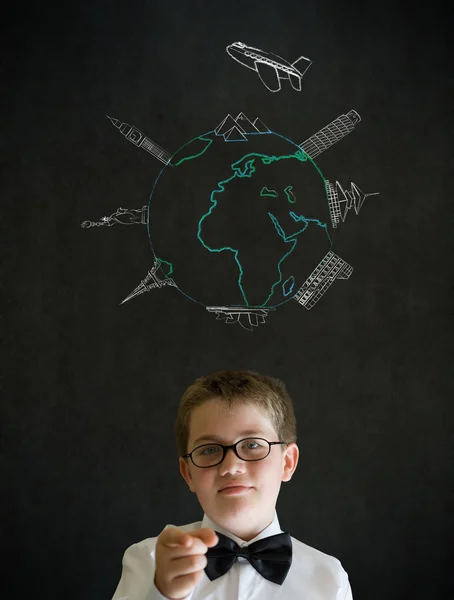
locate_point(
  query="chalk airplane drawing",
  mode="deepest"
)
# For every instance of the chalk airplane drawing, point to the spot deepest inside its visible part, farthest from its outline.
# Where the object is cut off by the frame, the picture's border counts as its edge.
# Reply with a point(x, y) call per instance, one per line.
point(270, 67)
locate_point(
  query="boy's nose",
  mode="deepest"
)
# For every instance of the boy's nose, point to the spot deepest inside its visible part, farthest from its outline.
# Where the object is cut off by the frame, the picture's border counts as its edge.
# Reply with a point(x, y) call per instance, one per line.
point(231, 462)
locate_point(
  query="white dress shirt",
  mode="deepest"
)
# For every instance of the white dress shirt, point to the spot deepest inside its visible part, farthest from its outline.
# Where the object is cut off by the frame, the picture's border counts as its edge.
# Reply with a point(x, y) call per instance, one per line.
point(313, 575)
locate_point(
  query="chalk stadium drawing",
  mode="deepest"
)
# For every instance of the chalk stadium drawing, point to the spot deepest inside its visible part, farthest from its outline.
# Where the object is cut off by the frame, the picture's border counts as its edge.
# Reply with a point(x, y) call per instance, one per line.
point(248, 318)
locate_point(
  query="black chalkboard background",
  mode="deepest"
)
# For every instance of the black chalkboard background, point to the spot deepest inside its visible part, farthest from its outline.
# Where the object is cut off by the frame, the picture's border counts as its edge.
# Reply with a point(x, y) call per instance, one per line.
point(91, 388)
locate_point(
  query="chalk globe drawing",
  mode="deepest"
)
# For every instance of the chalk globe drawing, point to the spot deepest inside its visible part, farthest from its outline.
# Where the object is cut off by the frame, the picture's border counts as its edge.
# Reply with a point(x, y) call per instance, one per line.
point(239, 219)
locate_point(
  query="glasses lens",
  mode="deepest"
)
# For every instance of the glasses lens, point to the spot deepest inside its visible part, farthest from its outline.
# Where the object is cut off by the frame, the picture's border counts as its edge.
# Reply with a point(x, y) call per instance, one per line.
point(253, 449)
point(211, 454)
point(207, 455)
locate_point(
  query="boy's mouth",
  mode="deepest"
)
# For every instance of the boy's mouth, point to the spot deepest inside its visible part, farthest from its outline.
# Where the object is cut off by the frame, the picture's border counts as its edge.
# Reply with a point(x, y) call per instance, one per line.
point(236, 490)
point(235, 485)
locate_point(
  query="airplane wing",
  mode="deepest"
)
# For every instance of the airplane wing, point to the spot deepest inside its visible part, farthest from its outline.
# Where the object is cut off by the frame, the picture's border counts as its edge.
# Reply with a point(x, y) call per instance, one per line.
point(269, 76)
point(295, 81)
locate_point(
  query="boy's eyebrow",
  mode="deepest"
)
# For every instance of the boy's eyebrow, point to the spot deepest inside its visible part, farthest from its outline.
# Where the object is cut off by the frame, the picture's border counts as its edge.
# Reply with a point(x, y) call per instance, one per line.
point(218, 438)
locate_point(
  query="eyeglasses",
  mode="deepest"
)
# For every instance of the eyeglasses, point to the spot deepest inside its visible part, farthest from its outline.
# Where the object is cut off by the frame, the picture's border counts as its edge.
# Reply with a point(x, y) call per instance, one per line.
point(248, 449)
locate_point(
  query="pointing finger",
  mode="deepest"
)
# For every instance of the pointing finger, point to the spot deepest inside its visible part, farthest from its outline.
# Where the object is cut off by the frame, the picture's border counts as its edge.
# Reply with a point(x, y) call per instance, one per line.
point(207, 536)
point(173, 537)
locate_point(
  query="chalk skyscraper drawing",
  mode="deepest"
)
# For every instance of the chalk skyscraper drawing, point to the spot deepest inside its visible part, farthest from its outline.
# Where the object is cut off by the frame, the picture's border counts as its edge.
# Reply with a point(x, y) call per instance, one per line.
point(139, 139)
point(331, 267)
point(330, 134)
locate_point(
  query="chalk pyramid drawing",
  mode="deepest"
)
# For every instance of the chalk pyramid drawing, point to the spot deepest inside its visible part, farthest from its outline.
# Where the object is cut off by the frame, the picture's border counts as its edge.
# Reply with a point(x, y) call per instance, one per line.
point(260, 126)
point(234, 135)
point(245, 124)
point(226, 125)
point(237, 130)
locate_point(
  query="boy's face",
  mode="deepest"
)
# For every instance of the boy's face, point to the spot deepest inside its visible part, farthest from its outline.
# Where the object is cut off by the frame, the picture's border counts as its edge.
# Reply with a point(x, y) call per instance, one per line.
point(247, 513)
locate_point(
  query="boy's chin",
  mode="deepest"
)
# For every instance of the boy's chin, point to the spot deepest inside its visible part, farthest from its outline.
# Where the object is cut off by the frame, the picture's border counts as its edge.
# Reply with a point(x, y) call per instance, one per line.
point(246, 522)
point(235, 509)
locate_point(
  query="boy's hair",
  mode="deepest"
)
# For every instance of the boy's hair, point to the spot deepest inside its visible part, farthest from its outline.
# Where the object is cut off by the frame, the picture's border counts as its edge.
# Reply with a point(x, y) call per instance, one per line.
point(267, 393)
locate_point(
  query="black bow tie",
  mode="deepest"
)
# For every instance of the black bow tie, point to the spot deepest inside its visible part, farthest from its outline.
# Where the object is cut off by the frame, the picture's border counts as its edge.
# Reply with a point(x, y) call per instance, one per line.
point(271, 556)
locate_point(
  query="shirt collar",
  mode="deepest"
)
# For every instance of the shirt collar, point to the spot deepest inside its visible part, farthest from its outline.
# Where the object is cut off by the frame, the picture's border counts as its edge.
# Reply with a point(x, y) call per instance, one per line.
point(272, 529)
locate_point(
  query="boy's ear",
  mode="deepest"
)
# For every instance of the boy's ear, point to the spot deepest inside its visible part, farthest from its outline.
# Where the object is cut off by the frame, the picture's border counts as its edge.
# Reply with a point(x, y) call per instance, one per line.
point(291, 457)
point(186, 473)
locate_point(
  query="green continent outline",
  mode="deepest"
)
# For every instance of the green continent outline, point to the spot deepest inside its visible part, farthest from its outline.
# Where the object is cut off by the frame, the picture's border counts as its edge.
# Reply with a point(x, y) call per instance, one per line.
point(199, 137)
point(247, 171)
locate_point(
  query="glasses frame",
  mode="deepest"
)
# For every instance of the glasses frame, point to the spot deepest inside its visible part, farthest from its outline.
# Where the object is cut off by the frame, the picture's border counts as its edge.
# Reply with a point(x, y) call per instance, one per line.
point(225, 449)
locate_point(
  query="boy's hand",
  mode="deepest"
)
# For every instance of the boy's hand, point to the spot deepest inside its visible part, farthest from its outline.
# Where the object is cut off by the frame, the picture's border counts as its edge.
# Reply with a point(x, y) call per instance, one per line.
point(180, 560)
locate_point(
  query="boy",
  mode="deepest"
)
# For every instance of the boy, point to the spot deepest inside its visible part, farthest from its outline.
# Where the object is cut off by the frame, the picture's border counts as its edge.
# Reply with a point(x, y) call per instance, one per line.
point(236, 433)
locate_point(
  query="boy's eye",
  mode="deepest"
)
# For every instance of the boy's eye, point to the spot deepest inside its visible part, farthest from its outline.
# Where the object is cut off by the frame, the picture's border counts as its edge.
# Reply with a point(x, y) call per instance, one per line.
point(208, 450)
point(252, 444)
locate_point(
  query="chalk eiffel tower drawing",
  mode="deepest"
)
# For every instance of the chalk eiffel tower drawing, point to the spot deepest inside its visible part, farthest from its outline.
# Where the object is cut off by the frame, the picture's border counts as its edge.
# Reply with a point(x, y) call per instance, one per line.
point(150, 282)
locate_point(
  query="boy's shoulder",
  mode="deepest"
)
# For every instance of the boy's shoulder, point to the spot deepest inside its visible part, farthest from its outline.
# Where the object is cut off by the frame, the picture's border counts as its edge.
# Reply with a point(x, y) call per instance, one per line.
point(309, 555)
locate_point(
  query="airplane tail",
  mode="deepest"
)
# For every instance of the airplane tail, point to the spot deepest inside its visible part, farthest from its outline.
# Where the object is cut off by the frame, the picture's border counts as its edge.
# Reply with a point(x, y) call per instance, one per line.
point(302, 64)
